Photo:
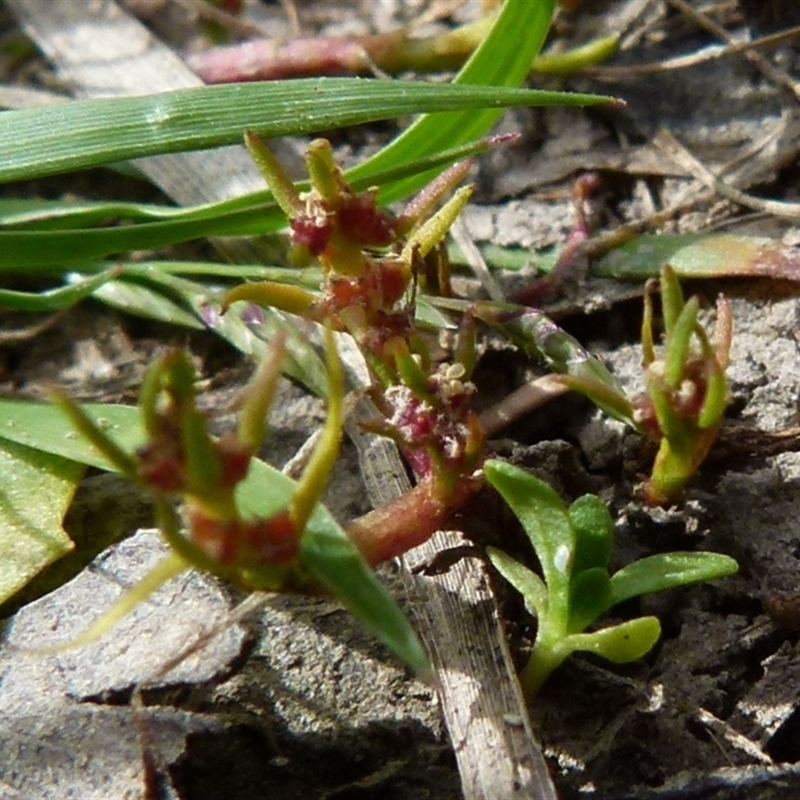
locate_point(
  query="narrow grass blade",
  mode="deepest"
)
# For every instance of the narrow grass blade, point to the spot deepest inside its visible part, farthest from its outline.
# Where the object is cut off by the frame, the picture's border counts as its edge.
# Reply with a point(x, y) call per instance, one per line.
point(55, 299)
point(89, 133)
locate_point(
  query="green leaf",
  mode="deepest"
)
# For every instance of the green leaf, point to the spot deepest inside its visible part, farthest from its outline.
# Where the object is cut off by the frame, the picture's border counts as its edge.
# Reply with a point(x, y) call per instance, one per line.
point(543, 516)
point(334, 560)
point(621, 643)
point(678, 344)
point(161, 295)
point(589, 597)
point(36, 489)
point(54, 299)
point(700, 255)
point(44, 427)
point(89, 133)
point(147, 301)
point(594, 533)
point(672, 300)
point(668, 570)
point(254, 213)
point(36, 214)
point(526, 582)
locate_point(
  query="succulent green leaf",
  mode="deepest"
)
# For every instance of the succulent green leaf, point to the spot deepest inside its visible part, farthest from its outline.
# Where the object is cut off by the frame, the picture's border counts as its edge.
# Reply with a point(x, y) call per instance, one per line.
point(525, 581)
point(648, 340)
point(716, 398)
point(679, 343)
point(620, 643)
point(589, 597)
point(716, 383)
point(544, 517)
point(594, 533)
point(672, 302)
point(668, 570)
point(673, 427)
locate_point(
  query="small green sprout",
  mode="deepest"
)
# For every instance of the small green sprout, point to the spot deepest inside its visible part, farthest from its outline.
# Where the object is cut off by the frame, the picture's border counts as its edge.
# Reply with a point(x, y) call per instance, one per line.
point(687, 390)
point(573, 545)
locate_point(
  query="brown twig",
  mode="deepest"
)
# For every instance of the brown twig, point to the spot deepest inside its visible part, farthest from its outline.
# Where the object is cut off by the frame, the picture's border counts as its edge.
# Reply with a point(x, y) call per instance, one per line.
point(777, 76)
point(667, 142)
point(612, 73)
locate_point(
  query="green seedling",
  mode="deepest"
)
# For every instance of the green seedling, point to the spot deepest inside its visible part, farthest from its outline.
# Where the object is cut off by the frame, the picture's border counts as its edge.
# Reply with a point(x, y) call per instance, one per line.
point(686, 388)
point(573, 545)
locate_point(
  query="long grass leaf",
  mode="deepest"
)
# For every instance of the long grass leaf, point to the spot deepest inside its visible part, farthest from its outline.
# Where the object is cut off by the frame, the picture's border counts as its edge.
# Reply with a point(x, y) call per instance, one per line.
point(88, 133)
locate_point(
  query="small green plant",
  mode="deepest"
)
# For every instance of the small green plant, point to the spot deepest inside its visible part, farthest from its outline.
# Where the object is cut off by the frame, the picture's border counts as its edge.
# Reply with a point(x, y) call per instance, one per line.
point(573, 545)
point(687, 391)
point(268, 536)
point(686, 388)
point(80, 246)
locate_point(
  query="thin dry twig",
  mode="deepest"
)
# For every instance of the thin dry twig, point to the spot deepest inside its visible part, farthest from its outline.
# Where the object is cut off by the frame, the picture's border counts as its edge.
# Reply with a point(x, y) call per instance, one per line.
point(713, 53)
point(667, 142)
point(290, 9)
point(475, 260)
point(248, 606)
point(777, 76)
point(733, 737)
point(520, 402)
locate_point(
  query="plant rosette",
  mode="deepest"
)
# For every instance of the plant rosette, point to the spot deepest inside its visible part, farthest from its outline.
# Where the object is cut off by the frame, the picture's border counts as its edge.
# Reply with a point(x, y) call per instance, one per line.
point(573, 545)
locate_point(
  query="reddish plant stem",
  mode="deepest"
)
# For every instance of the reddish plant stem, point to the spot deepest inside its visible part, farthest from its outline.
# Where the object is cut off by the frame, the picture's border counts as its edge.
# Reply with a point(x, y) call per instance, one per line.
point(409, 520)
point(392, 52)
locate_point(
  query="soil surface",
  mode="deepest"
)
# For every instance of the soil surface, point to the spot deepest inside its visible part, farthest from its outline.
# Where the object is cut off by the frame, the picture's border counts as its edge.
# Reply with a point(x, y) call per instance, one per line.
point(296, 700)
